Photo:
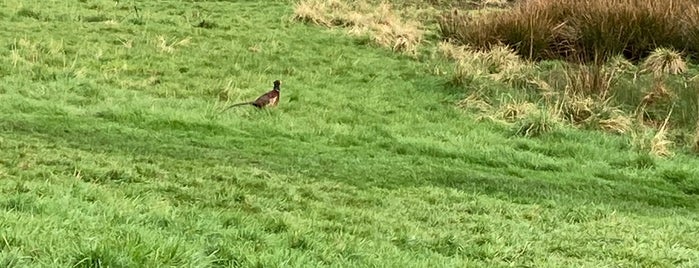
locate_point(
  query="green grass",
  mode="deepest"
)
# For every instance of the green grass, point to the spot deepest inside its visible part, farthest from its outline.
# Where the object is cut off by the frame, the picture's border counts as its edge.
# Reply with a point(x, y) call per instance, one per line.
point(113, 154)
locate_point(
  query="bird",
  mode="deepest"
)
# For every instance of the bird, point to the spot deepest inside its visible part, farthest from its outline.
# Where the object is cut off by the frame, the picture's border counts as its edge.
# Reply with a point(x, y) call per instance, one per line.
point(270, 98)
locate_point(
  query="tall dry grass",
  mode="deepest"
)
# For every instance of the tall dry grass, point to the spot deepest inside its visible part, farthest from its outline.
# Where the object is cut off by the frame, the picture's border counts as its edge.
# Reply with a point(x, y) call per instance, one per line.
point(582, 94)
point(581, 30)
point(500, 63)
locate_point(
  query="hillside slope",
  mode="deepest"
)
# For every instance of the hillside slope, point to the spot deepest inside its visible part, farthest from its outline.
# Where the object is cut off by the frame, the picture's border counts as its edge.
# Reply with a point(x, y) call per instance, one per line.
point(113, 153)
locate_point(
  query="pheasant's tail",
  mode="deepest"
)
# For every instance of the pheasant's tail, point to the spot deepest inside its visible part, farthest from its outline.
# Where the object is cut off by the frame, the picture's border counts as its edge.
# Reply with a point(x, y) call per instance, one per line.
point(237, 104)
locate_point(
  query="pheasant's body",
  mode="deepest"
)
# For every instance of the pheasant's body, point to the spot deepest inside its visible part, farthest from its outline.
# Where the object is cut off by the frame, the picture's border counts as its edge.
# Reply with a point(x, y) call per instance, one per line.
point(271, 98)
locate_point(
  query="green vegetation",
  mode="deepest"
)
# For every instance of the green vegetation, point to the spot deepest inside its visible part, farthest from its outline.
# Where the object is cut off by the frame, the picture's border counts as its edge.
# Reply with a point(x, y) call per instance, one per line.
point(113, 152)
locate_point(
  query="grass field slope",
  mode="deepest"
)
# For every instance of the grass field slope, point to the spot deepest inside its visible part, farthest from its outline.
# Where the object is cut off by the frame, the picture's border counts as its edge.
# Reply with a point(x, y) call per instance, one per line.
point(114, 153)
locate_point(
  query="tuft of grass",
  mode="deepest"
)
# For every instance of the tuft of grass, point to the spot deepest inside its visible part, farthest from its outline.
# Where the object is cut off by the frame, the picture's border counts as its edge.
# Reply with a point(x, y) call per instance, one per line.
point(619, 124)
point(29, 13)
point(518, 110)
point(466, 72)
point(168, 46)
point(313, 11)
point(590, 79)
point(660, 145)
point(664, 61)
point(586, 95)
point(452, 51)
point(536, 124)
point(658, 93)
point(498, 64)
point(652, 141)
point(207, 24)
point(476, 103)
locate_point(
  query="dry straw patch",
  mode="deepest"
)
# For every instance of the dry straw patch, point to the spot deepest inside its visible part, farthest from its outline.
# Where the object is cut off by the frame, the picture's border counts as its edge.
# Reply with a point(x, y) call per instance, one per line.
point(536, 123)
point(168, 46)
point(475, 102)
point(500, 63)
point(594, 112)
point(313, 12)
point(452, 51)
point(664, 61)
point(382, 23)
point(660, 145)
point(507, 66)
point(653, 141)
point(619, 124)
point(657, 94)
point(516, 110)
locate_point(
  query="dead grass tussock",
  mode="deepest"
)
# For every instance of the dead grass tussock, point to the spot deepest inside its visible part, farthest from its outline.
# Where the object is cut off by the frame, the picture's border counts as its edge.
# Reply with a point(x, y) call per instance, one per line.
point(594, 112)
point(619, 64)
point(506, 66)
point(658, 93)
point(500, 63)
point(468, 70)
point(382, 23)
point(452, 51)
point(312, 12)
point(495, 60)
point(516, 110)
point(527, 118)
point(652, 105)
point(577, 108)
point(502, 57)
point(664, 61)
point(653, 139)
point(476, 103)
point(547, 92)
point(537, 123)
point(594, 79)
point(400, 37)
point(618, 124)
point(507, 113)
point(660, 144)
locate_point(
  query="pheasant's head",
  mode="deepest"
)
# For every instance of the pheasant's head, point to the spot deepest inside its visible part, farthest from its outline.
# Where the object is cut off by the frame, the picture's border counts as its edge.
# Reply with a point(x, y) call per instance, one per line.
point(277, 83)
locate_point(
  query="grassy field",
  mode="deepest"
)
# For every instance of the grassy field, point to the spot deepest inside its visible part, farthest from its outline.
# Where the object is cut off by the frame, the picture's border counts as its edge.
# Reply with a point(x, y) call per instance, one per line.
point(113, 153)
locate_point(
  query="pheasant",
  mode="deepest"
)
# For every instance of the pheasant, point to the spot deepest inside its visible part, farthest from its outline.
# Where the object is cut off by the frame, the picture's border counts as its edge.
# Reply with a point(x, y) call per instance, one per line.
point(271, 98)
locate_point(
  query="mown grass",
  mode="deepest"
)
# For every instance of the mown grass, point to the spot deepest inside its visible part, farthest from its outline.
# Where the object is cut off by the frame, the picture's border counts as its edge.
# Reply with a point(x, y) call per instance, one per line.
point(113, 154)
